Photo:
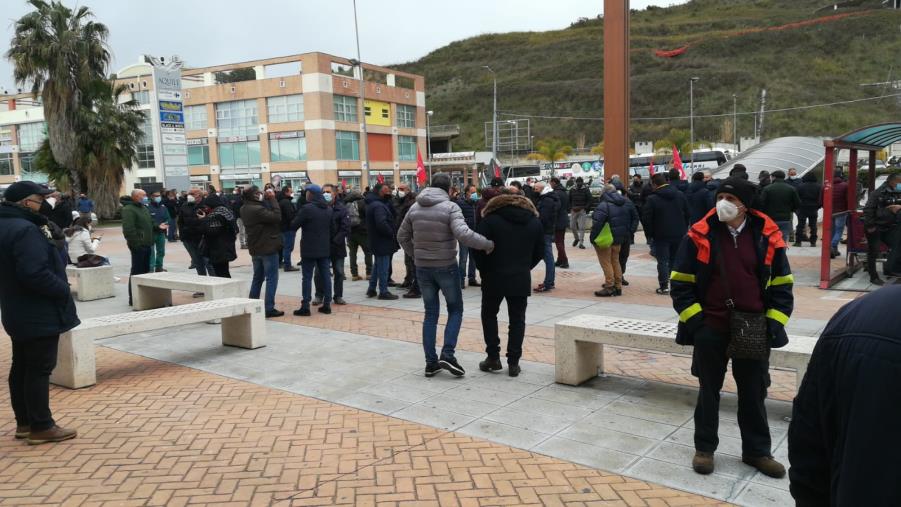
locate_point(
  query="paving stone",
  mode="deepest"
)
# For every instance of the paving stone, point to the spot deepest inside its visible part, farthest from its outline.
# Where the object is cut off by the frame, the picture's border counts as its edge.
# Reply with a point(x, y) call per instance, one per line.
point(540, 422)
point(608, 439)
point(650, 412)
point(581, 399)
point(579, 452)
point(431, 416)
point(725, 464)
point(372, 402)
point(631, 425)
point(760, 495)
point(684, 478)
point(504, 434)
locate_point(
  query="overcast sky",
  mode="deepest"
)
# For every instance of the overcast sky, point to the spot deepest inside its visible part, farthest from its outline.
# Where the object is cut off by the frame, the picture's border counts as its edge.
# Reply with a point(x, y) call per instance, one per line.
point(212, 32)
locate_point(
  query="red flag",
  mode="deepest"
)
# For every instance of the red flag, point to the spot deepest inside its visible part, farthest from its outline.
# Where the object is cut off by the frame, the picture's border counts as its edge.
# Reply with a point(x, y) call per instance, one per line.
point(343, 183)
point(651, 167)
point(677, 162)
point(497, 168)
point(380, 178)
point(421, 175)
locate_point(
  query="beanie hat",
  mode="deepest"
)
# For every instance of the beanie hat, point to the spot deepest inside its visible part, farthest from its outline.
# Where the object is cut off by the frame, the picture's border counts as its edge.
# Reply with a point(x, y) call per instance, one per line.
point(313, 188)
point(739, 187)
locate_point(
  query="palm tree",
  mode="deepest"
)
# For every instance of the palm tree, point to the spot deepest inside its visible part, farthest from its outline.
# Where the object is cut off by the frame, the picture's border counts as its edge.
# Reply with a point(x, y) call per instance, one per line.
point(680, 138)
point(598, 149)
point(62, 54)
point(551, 150)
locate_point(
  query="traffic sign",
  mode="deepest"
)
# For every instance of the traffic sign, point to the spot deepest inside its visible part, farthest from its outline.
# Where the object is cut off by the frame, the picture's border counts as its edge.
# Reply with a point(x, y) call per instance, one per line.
point(169, 95)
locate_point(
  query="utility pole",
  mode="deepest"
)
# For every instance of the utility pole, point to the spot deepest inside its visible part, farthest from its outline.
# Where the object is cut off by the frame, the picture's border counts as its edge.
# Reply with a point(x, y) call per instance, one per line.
point(359, 63)
point(691, 117)
point(494, 116)
point(428, 141)
point(762, 109)
point(735, 124)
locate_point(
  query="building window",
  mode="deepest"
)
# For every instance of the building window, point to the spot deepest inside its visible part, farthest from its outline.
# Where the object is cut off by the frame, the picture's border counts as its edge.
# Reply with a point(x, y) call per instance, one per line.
point(145, 156)
point(285, 108)
point(351, 182)
point(406, 148)
point(347, 145)
point(6, 164)
point(31, 135)
point(146, 136)
point(404, 82)
point(285, 150)
point(142, 98)
point(342, 69)
point(237, 118)
point(26, 161)
point(406, 116)
point(196, 118)
point(199, 155)
point(345, 108)
point(242, 155)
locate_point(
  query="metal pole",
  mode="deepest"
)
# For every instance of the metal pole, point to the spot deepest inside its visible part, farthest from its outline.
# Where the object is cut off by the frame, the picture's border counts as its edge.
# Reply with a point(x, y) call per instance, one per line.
point(735, 123)
point(494, 115)
point(691, 119)
point(428, 142)
point(365, 143)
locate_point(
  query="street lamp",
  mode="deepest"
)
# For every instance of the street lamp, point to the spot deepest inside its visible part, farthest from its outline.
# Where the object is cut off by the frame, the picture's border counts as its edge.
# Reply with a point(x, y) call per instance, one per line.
point(691, 116)
point(494, 118)
point(428, 141)
point(359, 63)
point(735, 123)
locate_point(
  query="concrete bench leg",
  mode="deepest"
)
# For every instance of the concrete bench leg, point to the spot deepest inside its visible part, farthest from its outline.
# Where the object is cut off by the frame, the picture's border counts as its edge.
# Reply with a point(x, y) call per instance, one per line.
point(148, 298)
point(75, 364)
point(247, 331)
point(94, 283)
point(577, 362)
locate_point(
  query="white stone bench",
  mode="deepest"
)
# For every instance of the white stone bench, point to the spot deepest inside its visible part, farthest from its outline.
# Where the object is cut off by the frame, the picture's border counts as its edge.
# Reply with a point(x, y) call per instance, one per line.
point(243, 325)
point(92, 283)
point(579, 345)
point(154, 290)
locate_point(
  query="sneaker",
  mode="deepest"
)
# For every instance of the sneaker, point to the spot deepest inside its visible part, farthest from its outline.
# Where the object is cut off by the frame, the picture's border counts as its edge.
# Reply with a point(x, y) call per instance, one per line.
point(431, 369)
point(702, 463)
point(302, 312)
point(766, 465)
point(326, 309)
point(474, 283)
point(450, 364)
point(356, 278)
point(371, 293)
point(491, 364)
point(388, 296)
point(197, 295)
point(413, 294)
point(625, 283)
point(513, 369)
point(575, 242)
point(54, 434)
point(22, 431)
point(581, 246)
point(663, 291)
point(340, 301)
point(317, 301)
point(274, 313)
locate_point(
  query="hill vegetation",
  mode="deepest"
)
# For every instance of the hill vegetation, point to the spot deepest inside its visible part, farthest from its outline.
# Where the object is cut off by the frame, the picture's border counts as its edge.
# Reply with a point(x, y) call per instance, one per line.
point(798, 52)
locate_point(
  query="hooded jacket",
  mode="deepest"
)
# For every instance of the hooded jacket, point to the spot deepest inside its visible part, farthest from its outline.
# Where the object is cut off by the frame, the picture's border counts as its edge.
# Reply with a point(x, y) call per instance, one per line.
point(700, 200)
point(137, 224)
point(380, 225)
point(810, 192)
point(432, 228)
point(665, 214)
point(548, 208)
point(511, 222)
point(562, 221)
point(34, 294)
point(620, 213)
point(696, 261)
point(842, 441)
point(315, 218)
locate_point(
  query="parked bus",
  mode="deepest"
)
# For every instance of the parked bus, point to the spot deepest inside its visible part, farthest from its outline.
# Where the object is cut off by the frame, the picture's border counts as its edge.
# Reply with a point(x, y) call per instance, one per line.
point(703, 160)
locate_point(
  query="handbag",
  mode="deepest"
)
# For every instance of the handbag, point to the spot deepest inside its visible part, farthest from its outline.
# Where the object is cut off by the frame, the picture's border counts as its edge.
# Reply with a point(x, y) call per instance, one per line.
point(605, 238)
point(747, 330)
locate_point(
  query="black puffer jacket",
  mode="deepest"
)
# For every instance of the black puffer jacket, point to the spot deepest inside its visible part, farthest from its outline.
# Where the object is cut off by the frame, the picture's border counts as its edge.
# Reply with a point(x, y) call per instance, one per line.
point(700, 200)
point(810, 191)
point(620, 213)
point(189, 226)
point(563, 213)
point(34, 294)
point(468, 207)
point(511, 221)
point(579, 197)
point(548, 209)
point(315, 218)
point(665, 214)
point(340, 230)
point(843, 440)
point(219, 232)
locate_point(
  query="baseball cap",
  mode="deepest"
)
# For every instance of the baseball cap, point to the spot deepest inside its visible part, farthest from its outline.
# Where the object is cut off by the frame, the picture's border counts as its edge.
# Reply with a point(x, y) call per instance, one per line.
point(22, 189)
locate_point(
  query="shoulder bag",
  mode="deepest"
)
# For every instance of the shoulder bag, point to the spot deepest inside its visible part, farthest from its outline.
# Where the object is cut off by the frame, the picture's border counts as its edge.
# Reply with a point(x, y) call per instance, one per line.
point(747, 330)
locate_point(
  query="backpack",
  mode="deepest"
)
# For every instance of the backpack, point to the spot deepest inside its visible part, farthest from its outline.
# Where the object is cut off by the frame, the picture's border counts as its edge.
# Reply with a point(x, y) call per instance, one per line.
point(353, 212)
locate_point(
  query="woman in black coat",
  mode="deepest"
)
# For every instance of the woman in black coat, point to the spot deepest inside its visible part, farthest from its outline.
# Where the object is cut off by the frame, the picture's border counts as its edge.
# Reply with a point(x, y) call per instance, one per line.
point(219, 235)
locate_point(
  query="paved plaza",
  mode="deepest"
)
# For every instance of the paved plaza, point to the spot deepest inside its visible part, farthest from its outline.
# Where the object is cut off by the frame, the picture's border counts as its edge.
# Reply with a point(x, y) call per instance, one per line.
point(335, 410)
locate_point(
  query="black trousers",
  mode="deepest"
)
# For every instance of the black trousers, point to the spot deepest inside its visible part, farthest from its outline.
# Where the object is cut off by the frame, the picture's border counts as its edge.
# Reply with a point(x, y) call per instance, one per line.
point(140, 264)
point(359, 240)
point(891, 239)
point(806, 218)
point(410, 277)
point(516, 331)
point(752, 379)
point(29, 381)
point(624, 254)
point(220, 269)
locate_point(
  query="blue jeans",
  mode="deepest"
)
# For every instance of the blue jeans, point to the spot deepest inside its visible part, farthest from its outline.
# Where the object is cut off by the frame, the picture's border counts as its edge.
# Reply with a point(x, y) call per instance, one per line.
point(265, 266)
point(173, 229)
point(288, 238)
point(838, 226)
point(201, 263)
point(309, 266)
point(786, 229)
point(466, 255)
point(549, 261)
point(447, 280)
point(666, 256)
point(337, 276)
point(380, 267)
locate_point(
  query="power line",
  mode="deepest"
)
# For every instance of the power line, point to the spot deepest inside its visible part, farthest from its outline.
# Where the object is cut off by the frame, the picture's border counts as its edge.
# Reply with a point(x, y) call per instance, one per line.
point(720, 115)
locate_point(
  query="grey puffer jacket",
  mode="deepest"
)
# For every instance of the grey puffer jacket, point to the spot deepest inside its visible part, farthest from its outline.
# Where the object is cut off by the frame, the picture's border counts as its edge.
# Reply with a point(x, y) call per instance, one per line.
point(432, 228)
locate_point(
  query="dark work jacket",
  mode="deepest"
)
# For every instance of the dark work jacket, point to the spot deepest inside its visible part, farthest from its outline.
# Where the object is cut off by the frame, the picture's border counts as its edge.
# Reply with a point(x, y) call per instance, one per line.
point(700, 200)
point(468, 207)
point(680, 185)
point(340, 230)
point(665, 214)
point(159, 213)
point(189, 226)
point(263, 225)
point(810, 191)
point(511, 221)
point(315, 219)
point(171, 206)
point(696, 260)
point(620, 213)
point(876, 213)
point(380, 228)
point(563, 213)
point(580, 198)
point(286, 205)
point(780, 200)
point(219, 233)
point(548, 208)
point(34, 294)
point(843, 440)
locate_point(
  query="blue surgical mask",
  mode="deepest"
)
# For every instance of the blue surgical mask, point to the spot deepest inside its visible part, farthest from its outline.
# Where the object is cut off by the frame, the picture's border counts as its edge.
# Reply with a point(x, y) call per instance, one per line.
point(474, 196)
point(327, 197)
point(157, 200)
point(145, 201)
point(897, 187)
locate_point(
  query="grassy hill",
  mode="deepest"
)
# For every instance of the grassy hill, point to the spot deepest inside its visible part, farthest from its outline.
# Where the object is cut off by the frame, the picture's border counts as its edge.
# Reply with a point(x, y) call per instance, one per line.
point(735, 47)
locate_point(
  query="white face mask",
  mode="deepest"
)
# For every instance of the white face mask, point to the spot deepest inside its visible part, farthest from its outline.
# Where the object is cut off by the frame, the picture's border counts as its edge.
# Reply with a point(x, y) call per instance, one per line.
point(400, 194)
point(726, 211)
point(189, 199)
point(51, 201)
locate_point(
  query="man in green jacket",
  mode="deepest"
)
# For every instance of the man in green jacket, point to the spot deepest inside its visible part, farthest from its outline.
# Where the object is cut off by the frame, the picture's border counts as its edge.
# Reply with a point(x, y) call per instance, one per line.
point(137, 227)
point(780, 200)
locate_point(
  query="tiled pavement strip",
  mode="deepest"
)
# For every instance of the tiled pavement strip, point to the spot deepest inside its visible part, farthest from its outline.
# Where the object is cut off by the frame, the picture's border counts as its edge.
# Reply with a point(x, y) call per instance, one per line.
point(373, 319)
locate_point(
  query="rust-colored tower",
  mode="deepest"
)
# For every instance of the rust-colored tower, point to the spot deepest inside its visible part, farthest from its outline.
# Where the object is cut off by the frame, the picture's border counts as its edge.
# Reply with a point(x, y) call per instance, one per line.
point(616, 88)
